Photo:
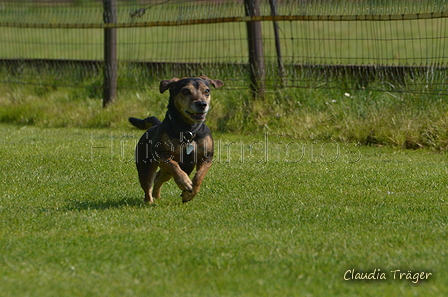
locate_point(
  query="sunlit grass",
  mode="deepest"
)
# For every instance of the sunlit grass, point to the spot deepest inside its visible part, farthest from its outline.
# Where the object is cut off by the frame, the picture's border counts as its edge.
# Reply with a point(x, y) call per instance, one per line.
point(74, 222)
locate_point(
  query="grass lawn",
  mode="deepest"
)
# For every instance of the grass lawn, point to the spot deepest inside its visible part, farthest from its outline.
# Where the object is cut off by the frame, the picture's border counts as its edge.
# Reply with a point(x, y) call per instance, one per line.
point(287, 221)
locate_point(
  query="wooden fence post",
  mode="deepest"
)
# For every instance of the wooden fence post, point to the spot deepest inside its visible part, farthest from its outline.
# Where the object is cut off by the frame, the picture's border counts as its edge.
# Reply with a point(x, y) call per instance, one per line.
point(255, 42)
point(281, 68)
point(110, 53)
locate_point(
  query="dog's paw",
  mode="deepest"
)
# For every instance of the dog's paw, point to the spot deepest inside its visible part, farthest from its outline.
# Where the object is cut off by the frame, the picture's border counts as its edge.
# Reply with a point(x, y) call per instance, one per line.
point(149, 200)
point(185, 184)
point(187, 196)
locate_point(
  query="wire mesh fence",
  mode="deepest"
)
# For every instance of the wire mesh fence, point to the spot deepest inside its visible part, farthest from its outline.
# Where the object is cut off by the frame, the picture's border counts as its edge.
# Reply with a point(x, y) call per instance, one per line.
point(385, 45)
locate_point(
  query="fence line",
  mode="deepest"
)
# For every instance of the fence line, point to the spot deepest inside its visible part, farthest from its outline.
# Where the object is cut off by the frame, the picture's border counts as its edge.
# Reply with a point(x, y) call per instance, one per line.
point(388, 45)
point(242, 19)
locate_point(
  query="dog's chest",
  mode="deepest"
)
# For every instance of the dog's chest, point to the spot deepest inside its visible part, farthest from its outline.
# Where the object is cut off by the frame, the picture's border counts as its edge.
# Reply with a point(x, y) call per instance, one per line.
point(184, 151)
point(192, 150)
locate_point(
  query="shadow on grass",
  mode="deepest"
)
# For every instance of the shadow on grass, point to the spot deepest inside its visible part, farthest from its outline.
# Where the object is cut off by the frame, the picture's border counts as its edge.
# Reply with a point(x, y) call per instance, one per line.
point(103, 205)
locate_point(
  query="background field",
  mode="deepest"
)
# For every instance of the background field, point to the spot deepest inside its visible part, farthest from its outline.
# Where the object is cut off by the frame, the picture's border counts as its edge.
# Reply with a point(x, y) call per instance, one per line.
point(404, 42)
point(319, 42)
point(398, 56)
point(73, 221)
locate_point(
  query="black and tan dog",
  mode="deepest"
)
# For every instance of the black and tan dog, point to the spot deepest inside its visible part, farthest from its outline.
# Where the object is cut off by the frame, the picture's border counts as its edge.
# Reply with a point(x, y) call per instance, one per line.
point(180, 142)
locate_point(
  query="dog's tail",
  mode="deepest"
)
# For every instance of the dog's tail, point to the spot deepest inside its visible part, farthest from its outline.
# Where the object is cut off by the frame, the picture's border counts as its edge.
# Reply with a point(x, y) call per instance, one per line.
point(146, 123)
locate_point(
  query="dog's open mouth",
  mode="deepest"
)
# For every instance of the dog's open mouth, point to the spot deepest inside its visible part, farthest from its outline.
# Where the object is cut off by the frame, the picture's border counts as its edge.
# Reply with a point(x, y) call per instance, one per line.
point(198, 116)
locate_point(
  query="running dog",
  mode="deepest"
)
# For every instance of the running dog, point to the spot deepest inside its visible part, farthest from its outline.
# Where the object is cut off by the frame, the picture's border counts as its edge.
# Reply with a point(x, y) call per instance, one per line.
point(180, 143)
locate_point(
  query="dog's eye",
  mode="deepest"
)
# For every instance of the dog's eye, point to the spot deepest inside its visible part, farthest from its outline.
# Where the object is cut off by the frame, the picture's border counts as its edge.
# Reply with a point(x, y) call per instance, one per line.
point(186, 91)
point(207, 92)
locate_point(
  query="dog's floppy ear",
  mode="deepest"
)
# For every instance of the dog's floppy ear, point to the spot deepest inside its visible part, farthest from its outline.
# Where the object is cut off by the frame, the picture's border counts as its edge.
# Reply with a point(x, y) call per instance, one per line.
point(214, 82)
point(165, 84)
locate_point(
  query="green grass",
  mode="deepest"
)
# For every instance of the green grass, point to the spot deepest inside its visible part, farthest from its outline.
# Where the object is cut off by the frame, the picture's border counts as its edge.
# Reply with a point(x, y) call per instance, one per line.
point(73, 221)
point(371, 118)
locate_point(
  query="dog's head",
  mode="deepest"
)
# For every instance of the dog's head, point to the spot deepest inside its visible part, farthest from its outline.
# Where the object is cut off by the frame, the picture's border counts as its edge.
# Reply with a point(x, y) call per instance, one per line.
point(190, 96)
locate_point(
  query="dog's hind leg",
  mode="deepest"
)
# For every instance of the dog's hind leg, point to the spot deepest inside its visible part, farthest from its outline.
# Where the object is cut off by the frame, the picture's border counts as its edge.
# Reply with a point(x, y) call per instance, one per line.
point(146, 176)
point(161, 177)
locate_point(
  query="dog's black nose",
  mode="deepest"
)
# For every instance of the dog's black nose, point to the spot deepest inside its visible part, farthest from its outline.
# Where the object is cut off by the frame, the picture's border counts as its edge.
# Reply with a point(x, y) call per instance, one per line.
point(201, 104)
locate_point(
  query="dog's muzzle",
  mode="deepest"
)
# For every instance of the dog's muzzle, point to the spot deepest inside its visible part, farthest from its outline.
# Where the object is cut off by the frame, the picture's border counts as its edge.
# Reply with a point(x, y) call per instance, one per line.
point(200, 111)
point(201, 105)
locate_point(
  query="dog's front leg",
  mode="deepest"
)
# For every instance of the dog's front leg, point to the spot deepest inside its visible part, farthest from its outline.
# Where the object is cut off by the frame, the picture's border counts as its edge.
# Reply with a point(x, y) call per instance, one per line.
point(201, 171)
point(180, 177)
